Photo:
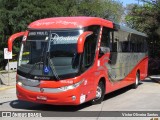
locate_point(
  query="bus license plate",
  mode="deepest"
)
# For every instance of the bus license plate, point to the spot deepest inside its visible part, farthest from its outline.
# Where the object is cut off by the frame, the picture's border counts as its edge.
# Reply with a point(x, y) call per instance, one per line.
point(42, 98)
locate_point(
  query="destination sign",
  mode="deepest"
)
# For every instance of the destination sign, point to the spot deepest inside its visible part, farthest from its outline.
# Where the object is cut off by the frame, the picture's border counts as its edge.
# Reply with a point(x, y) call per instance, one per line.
point(38, 35)
point(55, 37)
point(41, 33)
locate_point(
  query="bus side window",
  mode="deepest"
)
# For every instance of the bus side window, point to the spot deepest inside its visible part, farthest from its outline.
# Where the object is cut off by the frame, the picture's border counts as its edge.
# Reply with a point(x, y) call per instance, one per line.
point(90, 47)
point(115, 41)
point(132, 43)
point(124, 41)
point(138, 43)
point(105, 42)
point(145, 47)
point(89, 51)
point(114, 38)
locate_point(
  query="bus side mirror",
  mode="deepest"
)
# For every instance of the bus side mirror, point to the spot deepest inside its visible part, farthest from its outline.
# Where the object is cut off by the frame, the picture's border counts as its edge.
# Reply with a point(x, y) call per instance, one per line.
point(13, 37)
point(104, 50)
point(81, 41)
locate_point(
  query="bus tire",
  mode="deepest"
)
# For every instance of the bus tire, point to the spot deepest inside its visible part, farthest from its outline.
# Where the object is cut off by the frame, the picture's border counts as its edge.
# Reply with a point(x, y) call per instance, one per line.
point(135, 85)
point(100, 93)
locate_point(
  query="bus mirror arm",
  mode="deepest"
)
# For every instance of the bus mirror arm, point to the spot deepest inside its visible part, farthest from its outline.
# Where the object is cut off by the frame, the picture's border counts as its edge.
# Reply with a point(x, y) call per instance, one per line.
point(81, 41)
point(12, 38)
point(107, 59)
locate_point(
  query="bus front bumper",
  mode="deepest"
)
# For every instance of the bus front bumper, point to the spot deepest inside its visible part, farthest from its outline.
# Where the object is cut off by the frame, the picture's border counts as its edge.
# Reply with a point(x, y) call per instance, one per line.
point(38, 95)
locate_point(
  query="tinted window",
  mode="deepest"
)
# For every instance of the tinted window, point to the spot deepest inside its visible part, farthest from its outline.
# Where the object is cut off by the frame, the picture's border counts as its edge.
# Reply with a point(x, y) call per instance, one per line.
point(89, 51)
point(138, 43)
point(105, 42)
point(90, 46)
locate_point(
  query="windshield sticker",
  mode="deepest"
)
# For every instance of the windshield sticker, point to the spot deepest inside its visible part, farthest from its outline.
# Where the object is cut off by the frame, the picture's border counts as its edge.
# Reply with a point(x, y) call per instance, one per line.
point(46, 70)
point(56, 39)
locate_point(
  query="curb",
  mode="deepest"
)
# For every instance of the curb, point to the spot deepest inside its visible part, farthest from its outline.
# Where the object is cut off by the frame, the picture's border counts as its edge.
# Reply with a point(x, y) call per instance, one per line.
point(5, 72)
point(155, 79)
point(6, 88)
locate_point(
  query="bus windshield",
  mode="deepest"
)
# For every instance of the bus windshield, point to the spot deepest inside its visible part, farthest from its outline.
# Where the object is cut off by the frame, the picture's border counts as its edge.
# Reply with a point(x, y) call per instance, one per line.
point(49, 55)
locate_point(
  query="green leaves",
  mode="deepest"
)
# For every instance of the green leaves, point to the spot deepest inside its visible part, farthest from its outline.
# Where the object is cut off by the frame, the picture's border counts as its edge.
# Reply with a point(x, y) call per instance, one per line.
point(15, 15)
point(146, 18)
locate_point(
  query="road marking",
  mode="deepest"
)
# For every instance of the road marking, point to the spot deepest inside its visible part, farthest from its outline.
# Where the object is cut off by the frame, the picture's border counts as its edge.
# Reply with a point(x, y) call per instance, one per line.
point(6, 87)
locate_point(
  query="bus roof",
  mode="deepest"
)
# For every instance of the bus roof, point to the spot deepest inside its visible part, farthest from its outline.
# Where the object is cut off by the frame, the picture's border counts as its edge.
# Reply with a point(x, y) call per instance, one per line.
point(69, 22)
point(78, 22)
point(129, 30)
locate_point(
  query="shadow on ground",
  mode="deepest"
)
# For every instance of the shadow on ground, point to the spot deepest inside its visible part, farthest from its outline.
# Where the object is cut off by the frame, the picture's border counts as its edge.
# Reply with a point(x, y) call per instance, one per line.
point(156, 80)
point(18, 104)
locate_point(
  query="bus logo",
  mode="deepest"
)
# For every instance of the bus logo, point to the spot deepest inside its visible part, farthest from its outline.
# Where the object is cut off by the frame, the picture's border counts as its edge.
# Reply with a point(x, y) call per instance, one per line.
point(42, 90)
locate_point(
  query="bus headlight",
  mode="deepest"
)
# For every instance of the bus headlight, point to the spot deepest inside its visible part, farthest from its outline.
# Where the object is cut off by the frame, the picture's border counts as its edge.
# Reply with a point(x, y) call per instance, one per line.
point(70, 87)
point(19, 83)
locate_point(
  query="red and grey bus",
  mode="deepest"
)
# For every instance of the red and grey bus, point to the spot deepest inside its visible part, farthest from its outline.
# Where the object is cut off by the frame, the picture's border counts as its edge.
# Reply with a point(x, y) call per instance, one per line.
point(72, 60)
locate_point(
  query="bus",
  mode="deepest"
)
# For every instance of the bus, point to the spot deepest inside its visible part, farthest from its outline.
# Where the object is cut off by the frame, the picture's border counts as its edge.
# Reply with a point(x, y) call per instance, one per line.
point(73, 60)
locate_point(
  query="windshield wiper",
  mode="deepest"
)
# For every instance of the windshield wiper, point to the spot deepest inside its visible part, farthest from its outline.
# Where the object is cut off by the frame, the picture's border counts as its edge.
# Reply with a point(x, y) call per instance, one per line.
point(52, 67)
point(32, 68)
point(51, 62)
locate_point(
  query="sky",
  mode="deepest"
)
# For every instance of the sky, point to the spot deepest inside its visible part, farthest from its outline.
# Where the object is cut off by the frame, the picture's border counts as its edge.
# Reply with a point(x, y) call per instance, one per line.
point(128, 1)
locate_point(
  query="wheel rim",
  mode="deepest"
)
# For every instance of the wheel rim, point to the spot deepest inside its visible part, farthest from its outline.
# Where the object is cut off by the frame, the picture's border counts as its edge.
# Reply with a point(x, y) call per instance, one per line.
point(98, 93)
point(136, 79)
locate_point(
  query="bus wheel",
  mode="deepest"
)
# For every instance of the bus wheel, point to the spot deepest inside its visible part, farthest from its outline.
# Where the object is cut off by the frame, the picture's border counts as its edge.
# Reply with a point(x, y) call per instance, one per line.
point(135, 85)
point(99, 94)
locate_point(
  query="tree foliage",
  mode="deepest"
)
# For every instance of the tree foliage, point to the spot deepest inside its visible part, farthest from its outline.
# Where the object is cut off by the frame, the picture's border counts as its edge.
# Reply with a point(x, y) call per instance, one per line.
point(146, 18)
point(15, 15)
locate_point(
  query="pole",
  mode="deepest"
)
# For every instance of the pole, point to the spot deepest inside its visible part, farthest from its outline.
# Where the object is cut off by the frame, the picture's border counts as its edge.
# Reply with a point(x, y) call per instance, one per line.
point(8, 72)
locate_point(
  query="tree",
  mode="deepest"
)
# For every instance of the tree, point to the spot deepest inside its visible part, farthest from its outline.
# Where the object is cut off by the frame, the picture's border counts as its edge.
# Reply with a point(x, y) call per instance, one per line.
point(15, 15)
point(146, 18)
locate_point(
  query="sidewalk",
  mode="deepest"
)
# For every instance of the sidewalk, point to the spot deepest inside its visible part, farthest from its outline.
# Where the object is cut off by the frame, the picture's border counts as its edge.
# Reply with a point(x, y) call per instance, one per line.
point(155, 78)
point(4, 82)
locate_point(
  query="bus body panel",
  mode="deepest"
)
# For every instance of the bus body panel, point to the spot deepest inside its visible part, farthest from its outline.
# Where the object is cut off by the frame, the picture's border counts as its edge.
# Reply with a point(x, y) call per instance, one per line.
point(129, 79)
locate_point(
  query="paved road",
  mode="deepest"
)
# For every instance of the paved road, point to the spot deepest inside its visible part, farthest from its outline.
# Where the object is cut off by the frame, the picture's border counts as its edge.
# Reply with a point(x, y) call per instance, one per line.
point(145, 98)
